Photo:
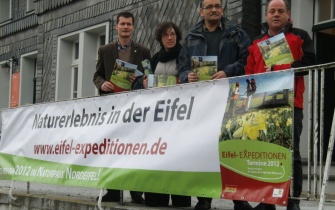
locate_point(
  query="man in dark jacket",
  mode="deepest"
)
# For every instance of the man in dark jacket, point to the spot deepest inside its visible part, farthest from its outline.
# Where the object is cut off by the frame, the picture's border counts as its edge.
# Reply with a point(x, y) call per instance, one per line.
point(215, 36)
point(126, 50)
point(278, 15)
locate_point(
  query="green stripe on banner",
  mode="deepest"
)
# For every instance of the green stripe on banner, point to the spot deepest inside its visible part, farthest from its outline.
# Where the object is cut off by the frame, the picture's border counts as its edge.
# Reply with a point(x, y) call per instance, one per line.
point(207, 184)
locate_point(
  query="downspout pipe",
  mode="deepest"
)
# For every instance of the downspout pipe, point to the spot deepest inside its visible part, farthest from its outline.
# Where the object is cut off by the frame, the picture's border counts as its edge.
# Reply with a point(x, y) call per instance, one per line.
point(314, 4)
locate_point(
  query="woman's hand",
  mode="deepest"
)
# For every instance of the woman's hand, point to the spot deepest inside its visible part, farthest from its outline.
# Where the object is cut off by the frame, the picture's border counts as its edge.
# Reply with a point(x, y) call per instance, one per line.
point(145, 82)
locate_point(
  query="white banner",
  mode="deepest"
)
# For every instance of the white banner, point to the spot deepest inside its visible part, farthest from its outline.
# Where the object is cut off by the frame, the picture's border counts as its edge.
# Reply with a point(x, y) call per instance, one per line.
point(135, 130)
point(189, 139)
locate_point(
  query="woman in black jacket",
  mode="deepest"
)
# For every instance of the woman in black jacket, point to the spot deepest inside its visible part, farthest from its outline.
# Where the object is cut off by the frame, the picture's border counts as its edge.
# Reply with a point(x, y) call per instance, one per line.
point(165, 62)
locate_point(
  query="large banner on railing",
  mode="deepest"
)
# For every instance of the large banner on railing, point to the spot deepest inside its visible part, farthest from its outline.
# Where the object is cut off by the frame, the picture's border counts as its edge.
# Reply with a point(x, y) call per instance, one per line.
point(222, 139)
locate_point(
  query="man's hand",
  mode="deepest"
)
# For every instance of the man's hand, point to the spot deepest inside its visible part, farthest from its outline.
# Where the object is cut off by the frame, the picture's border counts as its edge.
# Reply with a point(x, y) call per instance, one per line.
point(107, 87)
point(192, 77)
point(268, 68)
point(219, 75)
point(132, 78)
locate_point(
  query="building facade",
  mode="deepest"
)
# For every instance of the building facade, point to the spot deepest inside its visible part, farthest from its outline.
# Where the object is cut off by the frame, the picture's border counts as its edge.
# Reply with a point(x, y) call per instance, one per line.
point(52, 45)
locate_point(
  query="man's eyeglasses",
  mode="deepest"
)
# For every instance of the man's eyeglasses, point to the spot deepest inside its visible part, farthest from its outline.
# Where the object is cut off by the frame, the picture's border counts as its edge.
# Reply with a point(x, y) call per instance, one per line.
point(210, 7)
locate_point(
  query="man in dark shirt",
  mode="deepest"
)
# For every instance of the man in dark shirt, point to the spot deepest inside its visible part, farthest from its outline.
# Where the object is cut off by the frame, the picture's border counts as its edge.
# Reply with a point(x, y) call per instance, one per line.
point(215, 36)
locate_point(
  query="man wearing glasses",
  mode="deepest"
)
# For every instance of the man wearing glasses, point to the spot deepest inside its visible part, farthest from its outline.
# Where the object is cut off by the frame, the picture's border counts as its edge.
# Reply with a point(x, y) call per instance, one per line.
point(215, 36)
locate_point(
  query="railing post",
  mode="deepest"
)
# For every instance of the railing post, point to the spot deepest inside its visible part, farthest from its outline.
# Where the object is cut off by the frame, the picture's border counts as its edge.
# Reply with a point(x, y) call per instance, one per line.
point(316, 132)
point(328, 163)
point(122, 202)
point(321, 114)
point(310, 134)
point(28, 187)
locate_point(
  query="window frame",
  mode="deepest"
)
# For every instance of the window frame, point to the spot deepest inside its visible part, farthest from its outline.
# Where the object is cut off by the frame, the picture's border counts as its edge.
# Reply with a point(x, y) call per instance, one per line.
point(30, 6)
point(318, 12)
point(99, 43)
point(4, 20)
point(88, 39)
point(74, 69)
point(74, 84)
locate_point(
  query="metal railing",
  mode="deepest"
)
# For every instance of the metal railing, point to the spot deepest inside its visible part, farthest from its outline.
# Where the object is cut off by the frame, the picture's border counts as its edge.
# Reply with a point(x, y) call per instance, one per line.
point(320, 173)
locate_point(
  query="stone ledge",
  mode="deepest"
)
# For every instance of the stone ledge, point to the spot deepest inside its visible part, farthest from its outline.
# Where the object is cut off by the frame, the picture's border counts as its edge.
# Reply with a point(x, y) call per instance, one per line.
point(47, 197)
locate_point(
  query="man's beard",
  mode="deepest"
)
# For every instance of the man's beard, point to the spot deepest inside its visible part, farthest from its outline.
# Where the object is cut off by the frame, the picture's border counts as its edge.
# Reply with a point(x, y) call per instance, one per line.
point(213, 22)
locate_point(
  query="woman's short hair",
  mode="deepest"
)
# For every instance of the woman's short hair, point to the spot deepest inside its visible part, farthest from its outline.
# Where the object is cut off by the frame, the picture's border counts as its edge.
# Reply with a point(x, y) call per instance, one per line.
point(163, 27)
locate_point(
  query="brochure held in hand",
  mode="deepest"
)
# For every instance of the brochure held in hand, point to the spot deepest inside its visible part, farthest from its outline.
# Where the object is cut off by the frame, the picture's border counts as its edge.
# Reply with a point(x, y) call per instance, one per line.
point(157, 80)
point(275, 50)
point(204, 66)
point(147, 67)
point(121, 75)
point(161, 80)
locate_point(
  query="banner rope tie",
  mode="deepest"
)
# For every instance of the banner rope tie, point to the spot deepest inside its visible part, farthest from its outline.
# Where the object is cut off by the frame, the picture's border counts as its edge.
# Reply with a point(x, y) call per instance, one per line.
point(11, 190)
point(100, 198)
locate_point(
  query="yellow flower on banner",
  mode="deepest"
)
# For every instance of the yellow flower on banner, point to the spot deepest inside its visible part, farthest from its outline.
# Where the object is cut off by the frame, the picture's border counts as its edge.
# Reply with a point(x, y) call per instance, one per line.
point(228, 125)
point(263, 125)
point(261, 121)
point(267, 116)
point(277, 123)
point(238, 133)
point(274, 116)
point(252, 132)
point(240, 121)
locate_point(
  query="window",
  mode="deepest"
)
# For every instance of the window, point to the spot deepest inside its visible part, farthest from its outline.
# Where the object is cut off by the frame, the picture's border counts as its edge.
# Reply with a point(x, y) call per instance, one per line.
point(9, 83)
point(28, 78)
point(76, 51)
point(18, 82)
point(4, 85)
point(30, 5)
point(76, 61)
point(102, 40)
point(75, 82)
point(5, 10)
point(325, 10)
point(74, 75)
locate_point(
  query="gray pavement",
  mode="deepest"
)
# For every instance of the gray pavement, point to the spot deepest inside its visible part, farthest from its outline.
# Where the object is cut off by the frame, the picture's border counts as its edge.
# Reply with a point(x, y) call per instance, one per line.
point(45, 196)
